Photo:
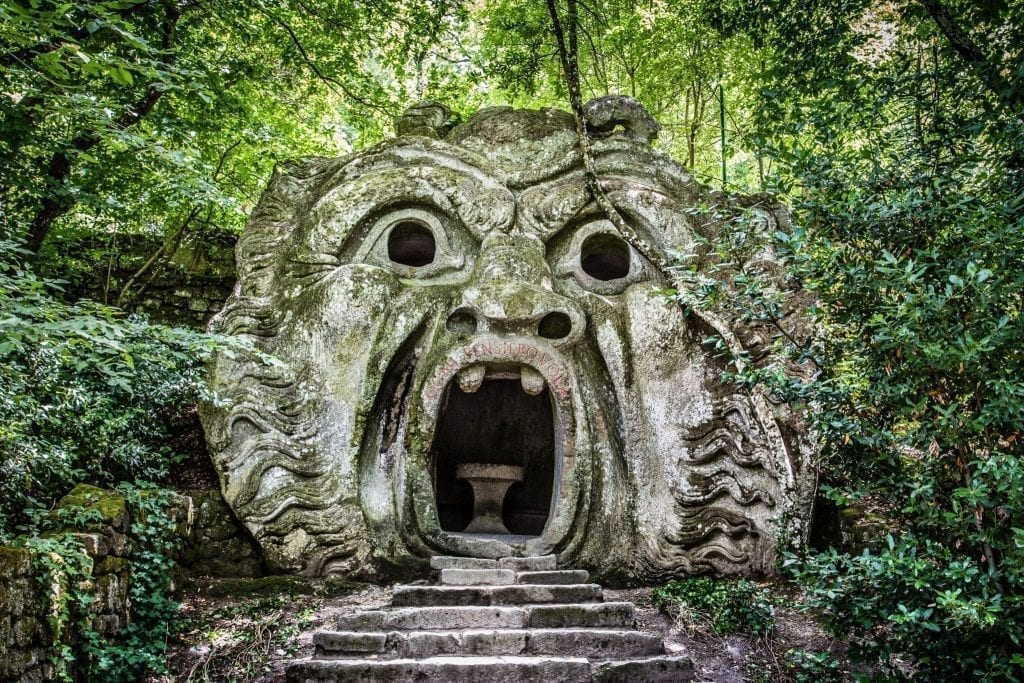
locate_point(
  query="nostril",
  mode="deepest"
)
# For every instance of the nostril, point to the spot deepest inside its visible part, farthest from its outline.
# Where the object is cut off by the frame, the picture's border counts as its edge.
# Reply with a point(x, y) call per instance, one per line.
point(462, 322)
point(556, 325)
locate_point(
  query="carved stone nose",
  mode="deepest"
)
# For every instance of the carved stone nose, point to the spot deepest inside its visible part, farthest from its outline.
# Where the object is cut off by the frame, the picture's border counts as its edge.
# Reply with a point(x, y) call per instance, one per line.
point(513, 295)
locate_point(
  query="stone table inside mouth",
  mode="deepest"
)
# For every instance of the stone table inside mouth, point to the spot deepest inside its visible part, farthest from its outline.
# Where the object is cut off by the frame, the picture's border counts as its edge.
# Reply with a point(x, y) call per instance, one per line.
point(490, 483)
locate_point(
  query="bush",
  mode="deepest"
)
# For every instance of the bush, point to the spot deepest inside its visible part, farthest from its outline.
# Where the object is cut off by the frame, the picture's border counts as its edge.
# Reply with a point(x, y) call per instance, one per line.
point(86, 393)
point(728, 606)
point(807, 666)
point(910, 599)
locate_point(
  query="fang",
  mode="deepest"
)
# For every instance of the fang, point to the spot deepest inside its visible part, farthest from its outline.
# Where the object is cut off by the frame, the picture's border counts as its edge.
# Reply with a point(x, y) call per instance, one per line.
point(533, 381)
point(471, 378)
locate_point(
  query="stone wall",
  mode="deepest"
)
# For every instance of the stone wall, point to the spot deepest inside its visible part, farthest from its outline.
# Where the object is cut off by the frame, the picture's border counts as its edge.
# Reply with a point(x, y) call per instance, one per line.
point(25, 638)
point(194, 286)
point(219, 546)
point(29, 636)
point(185, 291)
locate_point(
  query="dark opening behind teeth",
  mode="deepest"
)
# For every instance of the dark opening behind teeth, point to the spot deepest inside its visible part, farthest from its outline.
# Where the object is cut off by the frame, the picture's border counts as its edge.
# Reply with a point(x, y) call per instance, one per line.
point(498, 423)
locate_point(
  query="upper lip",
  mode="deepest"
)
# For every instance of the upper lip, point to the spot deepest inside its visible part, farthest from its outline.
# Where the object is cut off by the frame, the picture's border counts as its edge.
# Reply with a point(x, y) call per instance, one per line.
point(537, 364)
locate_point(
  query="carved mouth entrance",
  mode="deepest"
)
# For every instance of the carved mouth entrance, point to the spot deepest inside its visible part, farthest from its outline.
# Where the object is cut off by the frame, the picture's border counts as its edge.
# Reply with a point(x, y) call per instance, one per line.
point(494, 438)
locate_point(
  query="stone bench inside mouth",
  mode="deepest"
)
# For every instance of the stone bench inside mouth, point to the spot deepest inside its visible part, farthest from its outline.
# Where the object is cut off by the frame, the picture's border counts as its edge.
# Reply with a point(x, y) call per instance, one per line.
point(490, 483)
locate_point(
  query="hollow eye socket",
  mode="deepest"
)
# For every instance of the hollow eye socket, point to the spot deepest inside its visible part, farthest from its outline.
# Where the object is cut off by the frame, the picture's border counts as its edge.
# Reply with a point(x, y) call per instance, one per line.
point(411, 244)
point(605, 257)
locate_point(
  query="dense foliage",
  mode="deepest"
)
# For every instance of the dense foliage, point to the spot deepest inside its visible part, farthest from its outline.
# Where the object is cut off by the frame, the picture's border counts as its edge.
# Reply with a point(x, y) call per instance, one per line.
point(86, 394)
point(900, 138)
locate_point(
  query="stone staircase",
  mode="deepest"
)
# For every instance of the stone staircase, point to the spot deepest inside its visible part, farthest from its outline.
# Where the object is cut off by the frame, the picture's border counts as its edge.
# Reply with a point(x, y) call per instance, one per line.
point(514, 619)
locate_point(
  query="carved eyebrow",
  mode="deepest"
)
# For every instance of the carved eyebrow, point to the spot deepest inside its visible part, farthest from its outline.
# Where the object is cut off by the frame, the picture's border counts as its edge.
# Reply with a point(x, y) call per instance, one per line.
point(341, 219)
point(558, 208)
point(483, 202)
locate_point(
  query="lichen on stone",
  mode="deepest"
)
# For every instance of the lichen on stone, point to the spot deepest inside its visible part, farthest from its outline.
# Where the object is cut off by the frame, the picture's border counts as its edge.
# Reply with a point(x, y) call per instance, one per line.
point(458, 298)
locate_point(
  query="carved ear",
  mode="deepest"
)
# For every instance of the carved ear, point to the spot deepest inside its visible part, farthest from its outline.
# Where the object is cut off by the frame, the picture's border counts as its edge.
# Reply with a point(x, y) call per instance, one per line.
point(426, 119)
point(603, 114)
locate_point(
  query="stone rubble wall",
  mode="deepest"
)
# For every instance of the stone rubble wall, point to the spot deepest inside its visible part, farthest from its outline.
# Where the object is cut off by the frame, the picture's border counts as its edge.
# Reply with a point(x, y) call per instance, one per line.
point(28, 639)
point(25, 639)
point(219, 546)
point(185, 292)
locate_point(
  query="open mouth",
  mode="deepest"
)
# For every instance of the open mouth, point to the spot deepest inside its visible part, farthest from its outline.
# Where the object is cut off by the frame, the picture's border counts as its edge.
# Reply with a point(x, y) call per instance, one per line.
point(494, 454)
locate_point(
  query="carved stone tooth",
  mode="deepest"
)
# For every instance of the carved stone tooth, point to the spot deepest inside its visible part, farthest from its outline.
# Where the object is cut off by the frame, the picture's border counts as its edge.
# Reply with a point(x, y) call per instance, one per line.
point(471, 378)
point(533, 381)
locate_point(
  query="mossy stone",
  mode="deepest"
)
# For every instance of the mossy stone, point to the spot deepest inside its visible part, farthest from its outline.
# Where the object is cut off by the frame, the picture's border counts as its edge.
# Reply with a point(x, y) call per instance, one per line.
point(15, 562)
point(112, 507)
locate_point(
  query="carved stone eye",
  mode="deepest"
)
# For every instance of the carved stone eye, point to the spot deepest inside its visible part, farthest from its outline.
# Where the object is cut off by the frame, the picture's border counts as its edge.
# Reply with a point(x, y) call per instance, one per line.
point(410, 243)
point(605, 257)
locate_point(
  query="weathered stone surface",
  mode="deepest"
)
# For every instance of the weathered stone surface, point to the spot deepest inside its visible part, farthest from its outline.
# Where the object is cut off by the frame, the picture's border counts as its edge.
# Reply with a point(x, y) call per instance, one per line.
point(446, 669)
point(463, 300)
point(477, 577)
point(111, 507)
point(435, 618)
point(423, 644)
point(445, 562)
point(594, 643)
point(408, 596)
point(564, 576)
point(494, 642)
point(218, 545)
point(26, 630)
point(348, 642)
point(607, 614)
point(15, 562)
point(529, 564)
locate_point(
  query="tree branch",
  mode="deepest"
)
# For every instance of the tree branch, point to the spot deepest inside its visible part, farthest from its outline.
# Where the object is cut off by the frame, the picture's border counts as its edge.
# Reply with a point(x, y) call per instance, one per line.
point(970, 52)
point(308, 61)
point(169, 247)
point(568, 55)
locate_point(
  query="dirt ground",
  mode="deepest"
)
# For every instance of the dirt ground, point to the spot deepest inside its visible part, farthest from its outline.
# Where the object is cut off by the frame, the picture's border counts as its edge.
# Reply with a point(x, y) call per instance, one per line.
point(249, 630)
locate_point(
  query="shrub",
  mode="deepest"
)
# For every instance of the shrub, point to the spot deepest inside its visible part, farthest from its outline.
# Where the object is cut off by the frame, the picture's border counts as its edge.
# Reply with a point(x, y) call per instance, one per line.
point(910, 599)
point(728, 606)
point(808, 666)
point(85, 392)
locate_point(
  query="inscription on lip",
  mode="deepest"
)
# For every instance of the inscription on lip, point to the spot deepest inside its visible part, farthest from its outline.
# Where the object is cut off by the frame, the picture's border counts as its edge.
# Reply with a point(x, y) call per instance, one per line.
point(528, 354)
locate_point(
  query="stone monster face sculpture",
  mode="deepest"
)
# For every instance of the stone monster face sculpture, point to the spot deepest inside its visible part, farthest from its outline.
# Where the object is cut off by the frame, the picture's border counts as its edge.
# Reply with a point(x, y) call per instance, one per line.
point(453, 318)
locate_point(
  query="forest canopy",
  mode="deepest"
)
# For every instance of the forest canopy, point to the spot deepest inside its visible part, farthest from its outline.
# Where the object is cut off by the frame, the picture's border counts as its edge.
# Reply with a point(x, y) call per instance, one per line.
point(894, 129)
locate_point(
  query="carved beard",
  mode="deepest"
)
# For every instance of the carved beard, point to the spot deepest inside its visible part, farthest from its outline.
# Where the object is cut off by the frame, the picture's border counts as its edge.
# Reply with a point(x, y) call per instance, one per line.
point(446, 308)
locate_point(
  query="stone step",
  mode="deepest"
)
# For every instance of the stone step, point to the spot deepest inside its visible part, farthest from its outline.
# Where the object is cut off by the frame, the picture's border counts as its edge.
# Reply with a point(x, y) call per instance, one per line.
point(435, 618)
point(587, 615)
point(447, 669)
point(540, 563)
point(478, 577)
point(441, 562)
point(426, 596)
point(666, 669)
point(593, 615)
point(555, 577)
point(658, 669)
point(592, 643)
